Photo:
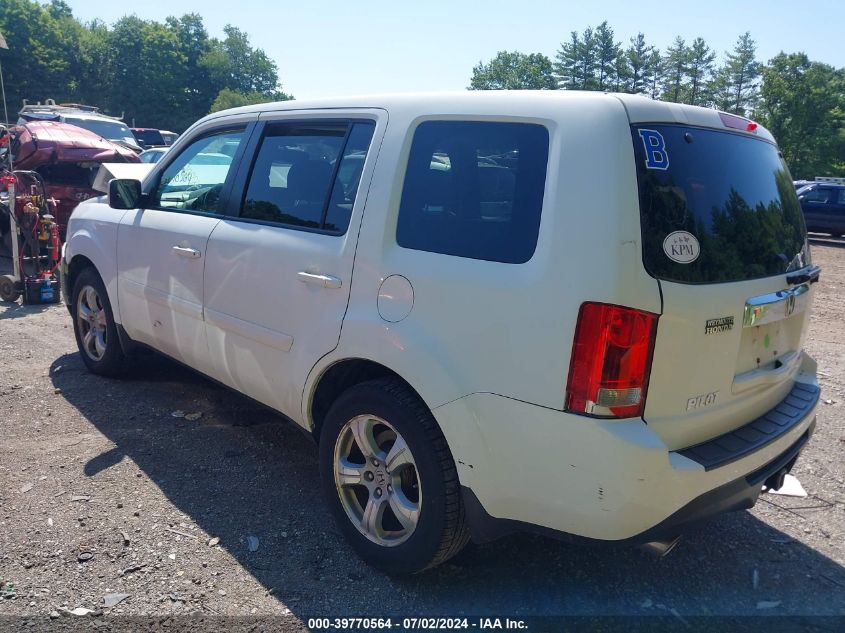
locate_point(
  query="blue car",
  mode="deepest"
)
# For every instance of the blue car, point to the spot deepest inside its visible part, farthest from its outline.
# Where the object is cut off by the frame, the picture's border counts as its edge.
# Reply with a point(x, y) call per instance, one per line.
point(823, 205)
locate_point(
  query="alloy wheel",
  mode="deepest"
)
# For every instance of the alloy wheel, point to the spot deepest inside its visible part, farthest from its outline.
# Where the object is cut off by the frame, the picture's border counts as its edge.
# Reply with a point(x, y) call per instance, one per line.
point(92, 323)
point(377, 481)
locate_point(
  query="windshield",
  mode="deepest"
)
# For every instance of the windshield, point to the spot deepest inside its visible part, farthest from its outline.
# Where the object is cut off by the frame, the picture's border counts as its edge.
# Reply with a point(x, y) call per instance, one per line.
point(715, 206)
point(111, 130)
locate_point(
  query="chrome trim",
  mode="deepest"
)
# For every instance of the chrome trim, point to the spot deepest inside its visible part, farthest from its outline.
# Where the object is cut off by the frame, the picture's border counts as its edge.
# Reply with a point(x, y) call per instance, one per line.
point(775, 306)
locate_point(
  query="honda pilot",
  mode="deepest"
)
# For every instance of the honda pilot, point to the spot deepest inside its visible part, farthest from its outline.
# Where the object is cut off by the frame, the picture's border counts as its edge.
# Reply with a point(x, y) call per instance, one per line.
point(576, 314)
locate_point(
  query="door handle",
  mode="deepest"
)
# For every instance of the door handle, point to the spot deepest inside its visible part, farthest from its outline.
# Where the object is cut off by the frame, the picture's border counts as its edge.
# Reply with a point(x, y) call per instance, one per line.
point(184, 251)
point(324, 281)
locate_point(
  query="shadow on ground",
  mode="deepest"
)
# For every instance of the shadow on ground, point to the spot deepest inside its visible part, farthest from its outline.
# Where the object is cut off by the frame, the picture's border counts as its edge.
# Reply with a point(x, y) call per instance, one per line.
point(241, 470)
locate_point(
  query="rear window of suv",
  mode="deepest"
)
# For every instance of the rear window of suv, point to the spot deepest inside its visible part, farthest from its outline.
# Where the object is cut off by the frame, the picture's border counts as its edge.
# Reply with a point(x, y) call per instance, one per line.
point(728, 194)
point(474, 189)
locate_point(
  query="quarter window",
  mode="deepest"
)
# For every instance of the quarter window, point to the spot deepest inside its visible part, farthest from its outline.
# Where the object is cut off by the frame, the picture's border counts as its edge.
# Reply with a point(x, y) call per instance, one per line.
point(474, 189)
point(194, 181)
point(307, 175)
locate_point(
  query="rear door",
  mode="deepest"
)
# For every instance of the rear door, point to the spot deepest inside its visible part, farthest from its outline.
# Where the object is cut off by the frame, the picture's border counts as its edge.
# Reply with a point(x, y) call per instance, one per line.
point(722, 229)
point(278, 275)
point(161, 249)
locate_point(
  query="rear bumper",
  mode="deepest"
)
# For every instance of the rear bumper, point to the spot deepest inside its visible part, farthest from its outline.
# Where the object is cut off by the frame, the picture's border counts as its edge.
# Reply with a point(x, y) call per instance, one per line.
point(527, 468)
point(740, 494)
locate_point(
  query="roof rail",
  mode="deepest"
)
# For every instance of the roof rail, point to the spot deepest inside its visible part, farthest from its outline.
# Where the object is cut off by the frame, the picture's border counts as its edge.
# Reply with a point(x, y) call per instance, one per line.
point(52, 107)
point(833, 179)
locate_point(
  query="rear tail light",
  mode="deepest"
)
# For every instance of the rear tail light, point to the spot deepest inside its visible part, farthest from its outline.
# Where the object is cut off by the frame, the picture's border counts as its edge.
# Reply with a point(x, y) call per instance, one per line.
point(611, 361)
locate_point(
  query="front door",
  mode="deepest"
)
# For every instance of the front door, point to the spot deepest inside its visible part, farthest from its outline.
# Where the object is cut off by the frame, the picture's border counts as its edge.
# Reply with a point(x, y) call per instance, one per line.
point(277, 277)
point(161, 249)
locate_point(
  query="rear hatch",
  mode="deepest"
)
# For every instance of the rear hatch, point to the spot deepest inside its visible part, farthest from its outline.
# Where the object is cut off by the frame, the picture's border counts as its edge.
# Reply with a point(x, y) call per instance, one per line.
point(723, 234)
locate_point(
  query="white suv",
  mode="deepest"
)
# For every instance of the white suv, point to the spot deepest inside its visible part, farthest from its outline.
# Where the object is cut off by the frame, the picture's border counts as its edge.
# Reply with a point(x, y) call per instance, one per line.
point(578, 314)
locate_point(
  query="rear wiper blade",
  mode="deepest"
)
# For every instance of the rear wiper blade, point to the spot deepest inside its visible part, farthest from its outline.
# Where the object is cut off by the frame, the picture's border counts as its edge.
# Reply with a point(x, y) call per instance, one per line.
point(805, 275)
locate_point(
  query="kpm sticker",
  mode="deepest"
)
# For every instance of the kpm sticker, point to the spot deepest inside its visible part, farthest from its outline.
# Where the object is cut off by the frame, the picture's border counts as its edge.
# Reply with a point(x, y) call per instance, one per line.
point(681, 247)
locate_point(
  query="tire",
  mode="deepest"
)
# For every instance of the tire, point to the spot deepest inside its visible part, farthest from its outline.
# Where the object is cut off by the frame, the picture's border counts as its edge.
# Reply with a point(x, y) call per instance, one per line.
point(9, 288)
point(422, 482)
point(96, 335)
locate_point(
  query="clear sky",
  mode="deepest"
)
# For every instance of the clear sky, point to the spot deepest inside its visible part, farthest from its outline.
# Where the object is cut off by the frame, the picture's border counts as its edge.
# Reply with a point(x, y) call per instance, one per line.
point(335, 47)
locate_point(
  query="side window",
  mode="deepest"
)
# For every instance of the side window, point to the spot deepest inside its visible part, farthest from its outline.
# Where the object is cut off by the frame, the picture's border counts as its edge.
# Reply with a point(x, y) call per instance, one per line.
point(195, 179)
point(307, 175)
point(818, 194)
point(474, 189)
point(841, 199)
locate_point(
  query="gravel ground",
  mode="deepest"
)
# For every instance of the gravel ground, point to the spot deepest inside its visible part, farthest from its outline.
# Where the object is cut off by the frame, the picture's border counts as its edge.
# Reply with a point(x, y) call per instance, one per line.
point(103, 491)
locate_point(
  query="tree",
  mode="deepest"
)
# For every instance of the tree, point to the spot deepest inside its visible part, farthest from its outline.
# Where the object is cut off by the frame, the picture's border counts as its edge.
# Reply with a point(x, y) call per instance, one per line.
point(514, 71)
point(676, 63)
point(228, 98)
point(607, 51)
point(146, 82)
point(639, 58)
point(41, 61)
point(737, 84)
point(621, 73)
point(700, 73)
point(233, 63)
point(803, 104)
point(567, 66)
point(653, 74)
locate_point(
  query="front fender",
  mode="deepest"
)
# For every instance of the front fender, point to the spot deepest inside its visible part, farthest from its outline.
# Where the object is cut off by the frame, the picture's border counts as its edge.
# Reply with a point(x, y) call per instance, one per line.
point(92, 233)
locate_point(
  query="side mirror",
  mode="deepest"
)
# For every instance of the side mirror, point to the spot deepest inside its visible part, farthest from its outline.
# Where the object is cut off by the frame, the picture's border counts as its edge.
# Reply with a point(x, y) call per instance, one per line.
point(124, 193)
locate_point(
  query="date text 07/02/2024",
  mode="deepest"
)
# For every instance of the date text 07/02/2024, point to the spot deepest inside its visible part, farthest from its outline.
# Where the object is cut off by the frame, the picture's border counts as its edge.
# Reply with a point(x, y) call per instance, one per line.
point(426, 623)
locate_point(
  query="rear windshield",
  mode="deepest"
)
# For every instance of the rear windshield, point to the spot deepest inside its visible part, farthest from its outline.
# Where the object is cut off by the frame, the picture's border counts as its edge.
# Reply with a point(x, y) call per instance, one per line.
point(149, 137)
point(715, 206)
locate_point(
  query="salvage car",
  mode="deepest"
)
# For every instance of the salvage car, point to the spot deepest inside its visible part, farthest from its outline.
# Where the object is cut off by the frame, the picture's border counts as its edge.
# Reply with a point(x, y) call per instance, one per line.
point(68, 158)
point(87, 117)
point(576, 314)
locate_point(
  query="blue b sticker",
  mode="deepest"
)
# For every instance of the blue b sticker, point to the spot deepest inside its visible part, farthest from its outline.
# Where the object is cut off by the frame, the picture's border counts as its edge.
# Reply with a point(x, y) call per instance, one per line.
point(656, 156)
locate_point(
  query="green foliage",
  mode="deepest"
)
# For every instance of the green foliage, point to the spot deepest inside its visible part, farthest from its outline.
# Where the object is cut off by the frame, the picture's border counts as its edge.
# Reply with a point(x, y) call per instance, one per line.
point(228, 98)
point(699, 74)
point(514, 71)
point(676, 63)
point(736, 85)
point(157, 74)
point(640, 62)
point(800, 101)
point(606, 52)
point(576, 62)
point(803, 104)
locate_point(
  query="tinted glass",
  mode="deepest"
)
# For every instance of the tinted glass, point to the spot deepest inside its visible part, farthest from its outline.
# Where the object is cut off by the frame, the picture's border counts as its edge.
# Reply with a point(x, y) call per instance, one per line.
point(814, 194)
point(474, 189)
point(731, 191)
point(149, 137)
point(292, 174)
point(348, 177)
point(195, 179)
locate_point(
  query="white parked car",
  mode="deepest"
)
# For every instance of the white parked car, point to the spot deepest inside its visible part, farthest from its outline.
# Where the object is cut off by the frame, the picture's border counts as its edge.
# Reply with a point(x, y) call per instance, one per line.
point(575, 314)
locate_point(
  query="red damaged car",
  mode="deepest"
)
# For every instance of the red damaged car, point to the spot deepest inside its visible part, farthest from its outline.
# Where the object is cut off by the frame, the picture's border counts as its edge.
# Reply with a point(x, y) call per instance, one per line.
point(67, 157)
